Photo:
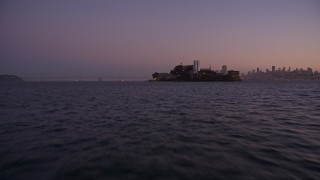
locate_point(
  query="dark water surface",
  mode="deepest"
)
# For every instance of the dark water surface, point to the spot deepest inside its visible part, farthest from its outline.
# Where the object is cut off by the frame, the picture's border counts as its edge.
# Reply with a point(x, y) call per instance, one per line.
point(141, 130)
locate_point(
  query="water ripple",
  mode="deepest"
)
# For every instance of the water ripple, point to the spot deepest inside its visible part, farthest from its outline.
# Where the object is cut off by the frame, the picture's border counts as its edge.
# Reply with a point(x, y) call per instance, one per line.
point(102, 130)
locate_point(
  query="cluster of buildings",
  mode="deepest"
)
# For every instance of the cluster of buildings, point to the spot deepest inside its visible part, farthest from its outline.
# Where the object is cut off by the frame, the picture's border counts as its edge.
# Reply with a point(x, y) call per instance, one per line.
point(195, 73)
point(281, 74)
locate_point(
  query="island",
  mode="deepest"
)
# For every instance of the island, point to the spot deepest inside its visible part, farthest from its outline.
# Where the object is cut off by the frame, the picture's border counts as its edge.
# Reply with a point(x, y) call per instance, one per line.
point(193, 73)
point(10, 78)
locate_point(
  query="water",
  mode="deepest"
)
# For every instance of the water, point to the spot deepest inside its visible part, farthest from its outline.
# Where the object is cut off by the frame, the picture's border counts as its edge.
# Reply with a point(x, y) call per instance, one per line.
point(166, 130)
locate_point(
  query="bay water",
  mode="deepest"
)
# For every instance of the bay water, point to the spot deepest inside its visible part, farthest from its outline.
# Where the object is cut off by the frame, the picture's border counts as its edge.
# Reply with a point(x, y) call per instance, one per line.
point(160, 130)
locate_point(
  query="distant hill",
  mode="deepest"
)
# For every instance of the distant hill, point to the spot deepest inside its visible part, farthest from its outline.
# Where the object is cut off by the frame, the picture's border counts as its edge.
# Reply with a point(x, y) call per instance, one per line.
point(10, 78)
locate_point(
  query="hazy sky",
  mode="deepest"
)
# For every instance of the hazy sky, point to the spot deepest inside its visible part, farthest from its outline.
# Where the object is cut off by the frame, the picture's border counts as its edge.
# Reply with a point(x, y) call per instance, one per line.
point(139, 37)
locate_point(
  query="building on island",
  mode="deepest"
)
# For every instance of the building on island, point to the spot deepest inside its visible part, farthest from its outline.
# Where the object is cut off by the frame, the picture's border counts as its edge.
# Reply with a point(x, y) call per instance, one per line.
point(192, 73)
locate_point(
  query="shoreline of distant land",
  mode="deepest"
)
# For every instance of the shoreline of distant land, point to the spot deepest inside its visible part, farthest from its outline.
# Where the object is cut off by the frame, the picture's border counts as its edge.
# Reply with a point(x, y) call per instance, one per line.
point(10, 78)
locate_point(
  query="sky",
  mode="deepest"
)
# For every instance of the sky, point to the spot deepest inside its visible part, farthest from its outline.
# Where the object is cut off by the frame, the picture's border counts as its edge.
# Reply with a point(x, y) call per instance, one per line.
point(137, 38)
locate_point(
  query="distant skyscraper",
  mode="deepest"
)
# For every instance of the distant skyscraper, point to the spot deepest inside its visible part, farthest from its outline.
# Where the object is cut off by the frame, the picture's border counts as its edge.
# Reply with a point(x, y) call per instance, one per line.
point(273, 69)
point(224, 69)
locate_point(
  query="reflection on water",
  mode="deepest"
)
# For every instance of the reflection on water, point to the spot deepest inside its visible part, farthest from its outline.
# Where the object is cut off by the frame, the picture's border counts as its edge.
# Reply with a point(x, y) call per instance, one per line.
point(140, 130)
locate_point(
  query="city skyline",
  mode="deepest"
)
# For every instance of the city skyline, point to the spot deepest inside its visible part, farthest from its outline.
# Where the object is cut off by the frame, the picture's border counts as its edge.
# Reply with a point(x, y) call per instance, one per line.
point(281, 73)
point(107, 38)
